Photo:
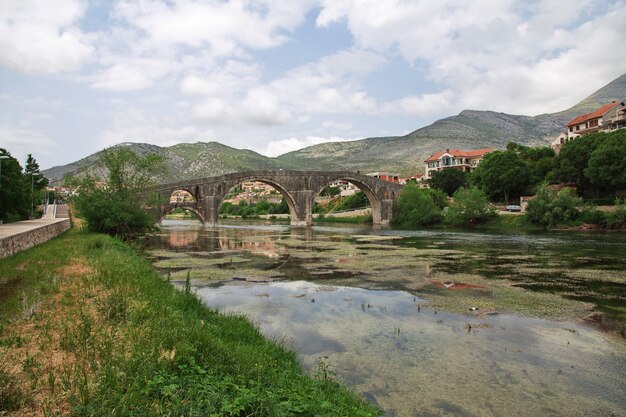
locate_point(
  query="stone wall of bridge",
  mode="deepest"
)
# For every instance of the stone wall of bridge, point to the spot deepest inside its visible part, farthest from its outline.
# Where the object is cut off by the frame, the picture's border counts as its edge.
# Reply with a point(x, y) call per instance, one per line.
point(298, 188)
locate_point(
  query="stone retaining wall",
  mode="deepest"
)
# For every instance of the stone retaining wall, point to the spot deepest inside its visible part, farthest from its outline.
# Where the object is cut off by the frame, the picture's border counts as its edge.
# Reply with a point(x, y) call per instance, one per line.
point(16, 243)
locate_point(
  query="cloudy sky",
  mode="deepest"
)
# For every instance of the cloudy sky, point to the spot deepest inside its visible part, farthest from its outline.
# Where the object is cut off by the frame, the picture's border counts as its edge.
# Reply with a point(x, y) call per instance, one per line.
point(274, 75)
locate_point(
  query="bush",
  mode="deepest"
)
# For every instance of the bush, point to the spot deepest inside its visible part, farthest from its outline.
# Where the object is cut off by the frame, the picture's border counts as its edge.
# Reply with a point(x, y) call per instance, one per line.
point(116, 214)
point(355, 201)
point(551, 207)
point(470, 206)
point(593, 216)
point(617, 219)
point(439, 197)
point(117, 208)
point(415, 207)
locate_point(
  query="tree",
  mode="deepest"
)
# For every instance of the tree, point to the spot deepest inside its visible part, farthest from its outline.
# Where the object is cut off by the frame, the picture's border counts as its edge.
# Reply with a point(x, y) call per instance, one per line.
point(34, 181)
point(14, 198)
point(449, 180)
point(330, 191)
point(539, 160)
point(502, 173)
point(118, 208)
point(439, 197)
point(415, 207)
point(470, 206)
point(551, 207)
point(606, 168)
point(571, 162)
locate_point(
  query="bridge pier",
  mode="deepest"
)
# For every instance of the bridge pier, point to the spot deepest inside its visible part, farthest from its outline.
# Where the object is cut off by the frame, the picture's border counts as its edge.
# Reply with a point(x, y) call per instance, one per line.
point(385, 213)
point(211, 209)
point(302, 215)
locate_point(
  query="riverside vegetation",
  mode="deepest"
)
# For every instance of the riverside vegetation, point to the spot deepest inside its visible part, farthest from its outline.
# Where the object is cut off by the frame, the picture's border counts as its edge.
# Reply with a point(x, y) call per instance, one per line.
point(92, 329)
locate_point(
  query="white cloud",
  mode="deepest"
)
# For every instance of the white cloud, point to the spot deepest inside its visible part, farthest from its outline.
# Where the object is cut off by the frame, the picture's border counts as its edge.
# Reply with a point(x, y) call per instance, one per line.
point(235, 94)
point(21, 141)
point(502, 55)
point(42, 38)
point(132, 74)
point(337, 125)
point(222, 26)
point(279, 147)
point(135, 125)
point(261, 106)
point(424, 105)
point(331, 85)
point(229, 79)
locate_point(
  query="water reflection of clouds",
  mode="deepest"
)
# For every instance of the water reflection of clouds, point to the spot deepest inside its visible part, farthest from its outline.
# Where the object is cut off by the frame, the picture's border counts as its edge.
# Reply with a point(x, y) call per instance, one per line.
point(409, 359)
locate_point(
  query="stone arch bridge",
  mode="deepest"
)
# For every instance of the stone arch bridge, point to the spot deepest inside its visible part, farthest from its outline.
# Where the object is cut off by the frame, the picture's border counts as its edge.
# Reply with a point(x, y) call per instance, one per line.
point(299, 188)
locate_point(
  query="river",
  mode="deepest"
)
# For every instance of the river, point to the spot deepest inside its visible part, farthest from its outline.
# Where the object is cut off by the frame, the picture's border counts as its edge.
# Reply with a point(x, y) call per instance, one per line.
point(426, 323)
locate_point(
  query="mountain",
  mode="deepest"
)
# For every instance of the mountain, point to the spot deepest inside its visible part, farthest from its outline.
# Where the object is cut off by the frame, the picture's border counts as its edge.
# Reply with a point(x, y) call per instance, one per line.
point(470, 129)
point(184, 161)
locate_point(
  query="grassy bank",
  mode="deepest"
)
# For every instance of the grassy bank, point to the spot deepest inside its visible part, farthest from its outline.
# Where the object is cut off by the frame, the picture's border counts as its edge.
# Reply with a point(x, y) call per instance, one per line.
point(349, 219)
point(90, 329)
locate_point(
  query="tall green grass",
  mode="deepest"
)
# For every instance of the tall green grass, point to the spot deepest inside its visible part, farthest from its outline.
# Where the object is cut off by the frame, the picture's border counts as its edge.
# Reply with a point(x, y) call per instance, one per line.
point(141, 347)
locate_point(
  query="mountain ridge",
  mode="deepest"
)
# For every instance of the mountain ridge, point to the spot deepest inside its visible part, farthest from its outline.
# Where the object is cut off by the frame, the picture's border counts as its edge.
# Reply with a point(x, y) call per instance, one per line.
point(470, 129)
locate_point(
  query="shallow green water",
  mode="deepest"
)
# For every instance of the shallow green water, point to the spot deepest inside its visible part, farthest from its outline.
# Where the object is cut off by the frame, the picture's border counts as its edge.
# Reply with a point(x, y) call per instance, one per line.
point(427, 323)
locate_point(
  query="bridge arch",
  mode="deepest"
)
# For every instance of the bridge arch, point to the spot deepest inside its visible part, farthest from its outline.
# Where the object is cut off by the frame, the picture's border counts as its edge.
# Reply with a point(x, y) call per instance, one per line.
point(171, 207)
point(226, 186)
point(366, 188)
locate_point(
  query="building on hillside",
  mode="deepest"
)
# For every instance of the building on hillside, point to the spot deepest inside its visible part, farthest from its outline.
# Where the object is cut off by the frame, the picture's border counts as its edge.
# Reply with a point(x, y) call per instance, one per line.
point(385, 176)
point(418, 178)
point(590, 122)
point(610, 117)
point(454, 158)
point(560, 140)
point(615, 118)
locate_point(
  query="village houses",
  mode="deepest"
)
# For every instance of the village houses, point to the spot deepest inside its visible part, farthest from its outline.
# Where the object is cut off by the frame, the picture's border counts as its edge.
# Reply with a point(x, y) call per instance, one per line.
point(454, 159)
point(611, 116)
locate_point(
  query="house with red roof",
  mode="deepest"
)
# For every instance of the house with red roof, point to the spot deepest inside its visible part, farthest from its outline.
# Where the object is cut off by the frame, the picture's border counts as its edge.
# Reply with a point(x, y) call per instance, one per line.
point(615, 118)
point(590, 122)
point(454, 159)
point(611, 116)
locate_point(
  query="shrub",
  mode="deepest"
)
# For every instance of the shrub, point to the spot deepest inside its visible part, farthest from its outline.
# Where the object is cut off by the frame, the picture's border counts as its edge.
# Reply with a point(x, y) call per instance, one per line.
point(617, 218)
point(470, 206)
point(415, 207)
point(593, 216)
point(439, 197)
point(116, 214)
point(551, 207)
point(117, 208)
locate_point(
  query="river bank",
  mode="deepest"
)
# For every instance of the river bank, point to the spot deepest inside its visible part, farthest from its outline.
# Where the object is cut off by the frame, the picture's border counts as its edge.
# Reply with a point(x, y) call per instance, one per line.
point(89, 327)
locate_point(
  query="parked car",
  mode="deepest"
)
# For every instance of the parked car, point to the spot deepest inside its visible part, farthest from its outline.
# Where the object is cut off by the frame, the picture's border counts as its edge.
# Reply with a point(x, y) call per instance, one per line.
point(513, 207)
